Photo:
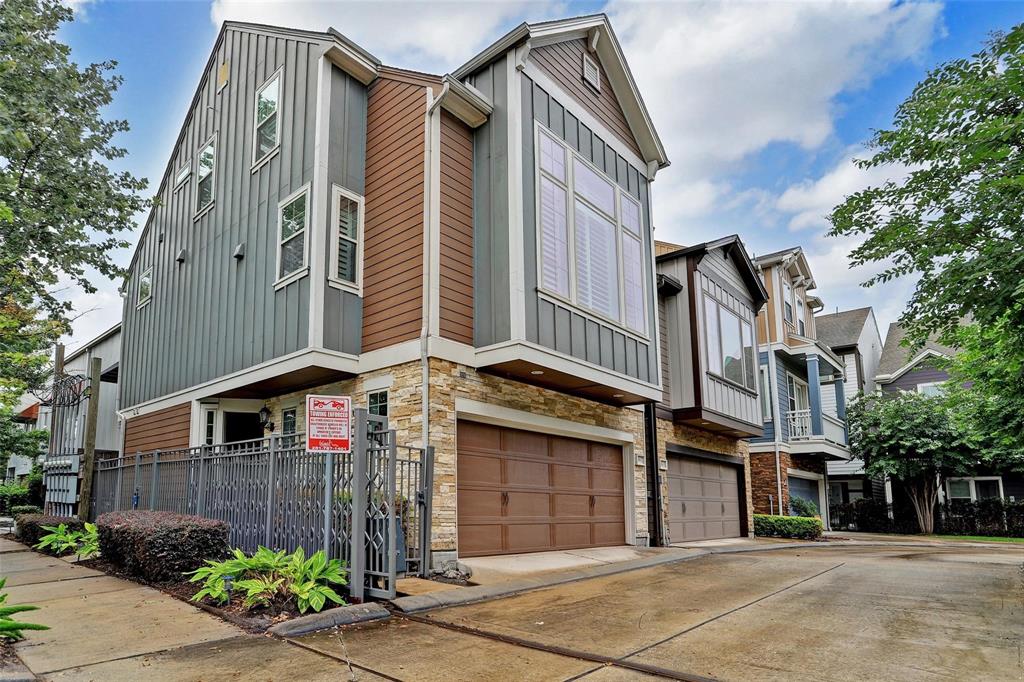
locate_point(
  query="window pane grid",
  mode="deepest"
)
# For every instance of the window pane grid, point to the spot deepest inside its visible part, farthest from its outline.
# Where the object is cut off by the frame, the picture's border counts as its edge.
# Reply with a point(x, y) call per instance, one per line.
point(292, 236)
point(266, 119)
point(346, 238)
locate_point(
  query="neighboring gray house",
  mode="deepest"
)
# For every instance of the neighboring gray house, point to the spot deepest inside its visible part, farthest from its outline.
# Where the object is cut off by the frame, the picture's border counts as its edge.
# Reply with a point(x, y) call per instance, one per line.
point(902, 369)
point(853, 336)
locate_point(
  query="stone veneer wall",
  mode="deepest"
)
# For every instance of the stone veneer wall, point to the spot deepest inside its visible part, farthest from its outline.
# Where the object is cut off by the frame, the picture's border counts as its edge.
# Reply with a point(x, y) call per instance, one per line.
point(680, 434)
point(762, 477)
point(449, 381)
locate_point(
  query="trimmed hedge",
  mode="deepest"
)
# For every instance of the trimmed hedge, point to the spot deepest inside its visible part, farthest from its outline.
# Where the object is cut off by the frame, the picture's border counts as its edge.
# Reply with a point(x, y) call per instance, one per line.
point(23, 509)
point(802, 527)
point(30, 527)
point(160, 546)
point(992, 517)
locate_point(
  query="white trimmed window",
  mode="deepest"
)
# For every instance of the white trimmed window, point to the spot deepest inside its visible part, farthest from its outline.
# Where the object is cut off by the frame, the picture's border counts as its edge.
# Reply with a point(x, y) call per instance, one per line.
point(766, 395)
point(292, 219)
point(346, 238)
point(801, 325)
point(932, 389)
point(787, 298)
point(730, 344)
point(145, 293)
point(204, 176)
point(267, 115)
point(974, 488)
point(182, 175)
point(590, 237)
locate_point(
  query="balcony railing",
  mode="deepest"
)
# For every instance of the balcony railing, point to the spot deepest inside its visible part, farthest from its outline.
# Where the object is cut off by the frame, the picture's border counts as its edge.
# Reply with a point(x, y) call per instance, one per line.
point(800, 427)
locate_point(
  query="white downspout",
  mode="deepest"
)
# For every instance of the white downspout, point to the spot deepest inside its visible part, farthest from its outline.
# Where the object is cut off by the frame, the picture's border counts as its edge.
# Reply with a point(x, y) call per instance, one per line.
point(776, 415)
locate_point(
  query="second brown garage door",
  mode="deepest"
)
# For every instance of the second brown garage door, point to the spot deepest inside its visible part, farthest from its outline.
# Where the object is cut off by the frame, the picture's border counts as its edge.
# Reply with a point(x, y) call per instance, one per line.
point(703, 499)
point(520, 491)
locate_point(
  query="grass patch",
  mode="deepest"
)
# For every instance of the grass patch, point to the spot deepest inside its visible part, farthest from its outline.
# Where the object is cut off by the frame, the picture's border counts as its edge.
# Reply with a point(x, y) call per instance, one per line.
point(980, 538)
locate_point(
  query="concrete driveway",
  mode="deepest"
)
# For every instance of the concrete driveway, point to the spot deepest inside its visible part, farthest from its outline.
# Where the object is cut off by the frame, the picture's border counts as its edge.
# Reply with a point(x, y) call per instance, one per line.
point(834, 612)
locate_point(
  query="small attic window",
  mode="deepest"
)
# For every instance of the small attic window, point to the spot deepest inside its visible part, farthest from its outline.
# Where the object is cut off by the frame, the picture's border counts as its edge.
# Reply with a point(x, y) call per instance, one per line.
point(591, 73)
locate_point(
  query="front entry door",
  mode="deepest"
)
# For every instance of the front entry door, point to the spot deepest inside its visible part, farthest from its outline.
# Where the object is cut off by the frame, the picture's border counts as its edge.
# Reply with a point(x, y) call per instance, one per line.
point(242, 426)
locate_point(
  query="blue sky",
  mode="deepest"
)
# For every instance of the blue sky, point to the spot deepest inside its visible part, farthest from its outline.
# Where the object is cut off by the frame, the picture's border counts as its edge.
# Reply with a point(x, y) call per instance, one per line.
point(761, 105)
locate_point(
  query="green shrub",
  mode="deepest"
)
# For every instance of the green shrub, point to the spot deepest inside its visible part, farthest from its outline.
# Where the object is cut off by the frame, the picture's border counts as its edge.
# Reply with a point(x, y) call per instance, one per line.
point(160, 546)
point(12, 495)
point(800, 527)
point(10, 629)
point(802, 507)
point(25, 509)
point(273, 579)
point(32, 527)
point(34, 483)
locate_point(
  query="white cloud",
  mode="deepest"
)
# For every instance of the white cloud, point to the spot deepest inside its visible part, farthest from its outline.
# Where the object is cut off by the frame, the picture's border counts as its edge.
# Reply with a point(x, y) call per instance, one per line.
point(425, 36)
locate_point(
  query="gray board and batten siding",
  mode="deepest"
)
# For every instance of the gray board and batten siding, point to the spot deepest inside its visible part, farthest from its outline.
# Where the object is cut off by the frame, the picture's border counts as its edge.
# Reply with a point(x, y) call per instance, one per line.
point(549, 323)
point(213, 314)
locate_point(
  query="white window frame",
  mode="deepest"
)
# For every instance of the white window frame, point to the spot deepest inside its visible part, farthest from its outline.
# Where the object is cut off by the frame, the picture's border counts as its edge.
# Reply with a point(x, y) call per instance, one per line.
point(590, 61)
point(337, 191)
point(928, 385)
point(971, 482)
point(801, 321)
point(765, 393)
point(790, 399)
point(787, 300)
point(621, 232)
point(183, 174)
point(283, 280)
point(257, 163)
point(200, 211)
point(139, 301)
point(718, 324)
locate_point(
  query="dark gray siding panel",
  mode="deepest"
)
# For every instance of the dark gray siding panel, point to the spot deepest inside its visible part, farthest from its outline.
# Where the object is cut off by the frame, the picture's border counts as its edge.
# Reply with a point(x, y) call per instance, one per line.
point(213, 315)
point(491, 315)
point(619, 351)
point(922, 374)
point(346, 165)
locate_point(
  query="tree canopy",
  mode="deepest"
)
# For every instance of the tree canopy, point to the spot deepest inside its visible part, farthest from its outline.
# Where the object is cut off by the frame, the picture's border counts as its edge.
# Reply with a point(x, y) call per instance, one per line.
point(957, 219)
point(914, 440)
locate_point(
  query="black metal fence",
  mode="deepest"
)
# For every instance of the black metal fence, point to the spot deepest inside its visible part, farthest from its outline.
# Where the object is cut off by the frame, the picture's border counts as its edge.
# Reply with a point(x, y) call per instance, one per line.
point(369, 507)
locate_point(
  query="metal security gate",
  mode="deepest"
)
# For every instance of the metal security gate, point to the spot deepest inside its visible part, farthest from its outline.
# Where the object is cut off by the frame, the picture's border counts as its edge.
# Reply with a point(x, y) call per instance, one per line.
point(369, 507)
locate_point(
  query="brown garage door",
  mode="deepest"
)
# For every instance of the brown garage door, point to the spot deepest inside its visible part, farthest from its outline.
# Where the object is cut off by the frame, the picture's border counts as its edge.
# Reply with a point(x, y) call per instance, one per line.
point(703, 499)
point(520, 491)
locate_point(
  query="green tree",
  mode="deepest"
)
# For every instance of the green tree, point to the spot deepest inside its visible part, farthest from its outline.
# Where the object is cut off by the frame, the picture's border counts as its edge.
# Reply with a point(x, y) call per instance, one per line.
point(15, 440)
point(957, 219)
point(914, 440)
point(62, 209)
point(986, 391)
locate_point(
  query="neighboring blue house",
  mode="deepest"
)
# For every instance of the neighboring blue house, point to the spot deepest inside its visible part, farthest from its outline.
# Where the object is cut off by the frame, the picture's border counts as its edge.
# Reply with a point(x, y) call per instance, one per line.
point(796, 372)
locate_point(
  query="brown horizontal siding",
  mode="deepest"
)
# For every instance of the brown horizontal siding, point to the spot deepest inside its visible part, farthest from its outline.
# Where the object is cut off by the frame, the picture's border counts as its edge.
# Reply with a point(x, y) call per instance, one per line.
point(393, 247)
point(166, 429)
point(666, 368)
point(563, 63)
point(456, 266)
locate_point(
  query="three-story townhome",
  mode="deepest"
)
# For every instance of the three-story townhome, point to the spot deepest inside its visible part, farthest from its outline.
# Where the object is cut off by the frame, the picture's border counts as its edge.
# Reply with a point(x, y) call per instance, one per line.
point(468, 254)
point(709, 296)
point(800, 437)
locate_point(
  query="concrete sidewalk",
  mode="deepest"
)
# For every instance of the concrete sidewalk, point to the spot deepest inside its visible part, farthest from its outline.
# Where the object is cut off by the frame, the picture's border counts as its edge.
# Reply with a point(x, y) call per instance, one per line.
point(106, 628)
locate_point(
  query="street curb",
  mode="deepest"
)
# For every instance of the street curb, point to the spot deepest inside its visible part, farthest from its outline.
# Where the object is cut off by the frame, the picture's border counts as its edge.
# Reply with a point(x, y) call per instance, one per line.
point(477, 593)
point(344, 615)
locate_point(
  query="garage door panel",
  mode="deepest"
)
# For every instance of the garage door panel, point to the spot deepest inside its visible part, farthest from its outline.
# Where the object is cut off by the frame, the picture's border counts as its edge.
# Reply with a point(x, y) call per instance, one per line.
point(572, 535)
point(731, 528)
point(526, 537)
point(563, 476)
point(526, 492)
point(480, 503)
point(480, 539)
point(533, 505)
point(476, 469)
point(520, 472)
point(692, 487)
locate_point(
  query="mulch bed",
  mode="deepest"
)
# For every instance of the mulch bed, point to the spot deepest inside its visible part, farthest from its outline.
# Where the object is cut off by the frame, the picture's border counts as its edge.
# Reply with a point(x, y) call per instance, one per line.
point(7, 655)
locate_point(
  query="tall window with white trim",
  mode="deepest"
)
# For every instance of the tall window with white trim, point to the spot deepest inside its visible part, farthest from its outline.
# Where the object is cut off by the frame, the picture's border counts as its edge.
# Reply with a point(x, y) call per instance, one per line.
point(590, 234)
point(292, 221)
point(204, 176)
point(347, 221)
point(730, 344)
point(267, 113)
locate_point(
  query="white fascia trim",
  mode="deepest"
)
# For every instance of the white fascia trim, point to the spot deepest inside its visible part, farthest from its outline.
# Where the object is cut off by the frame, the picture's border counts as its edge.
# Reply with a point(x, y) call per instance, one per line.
point(319, 197)
point(465, 102)
point(545, 357)
point(769, 447)
point(927, 352)
point(809, 348)
point(820, 447)
point(584, 116)
point(307, 357)
point(475, 410)
point(516, 238)
point(351, 61)
point(800, 473)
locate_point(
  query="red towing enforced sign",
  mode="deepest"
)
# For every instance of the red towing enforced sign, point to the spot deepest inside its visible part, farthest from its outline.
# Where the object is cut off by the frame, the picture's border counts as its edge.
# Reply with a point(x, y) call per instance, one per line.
point(328, 423)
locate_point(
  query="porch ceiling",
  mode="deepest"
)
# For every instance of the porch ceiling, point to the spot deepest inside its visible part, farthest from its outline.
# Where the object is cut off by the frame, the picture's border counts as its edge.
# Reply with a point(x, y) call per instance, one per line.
point(306, 377)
